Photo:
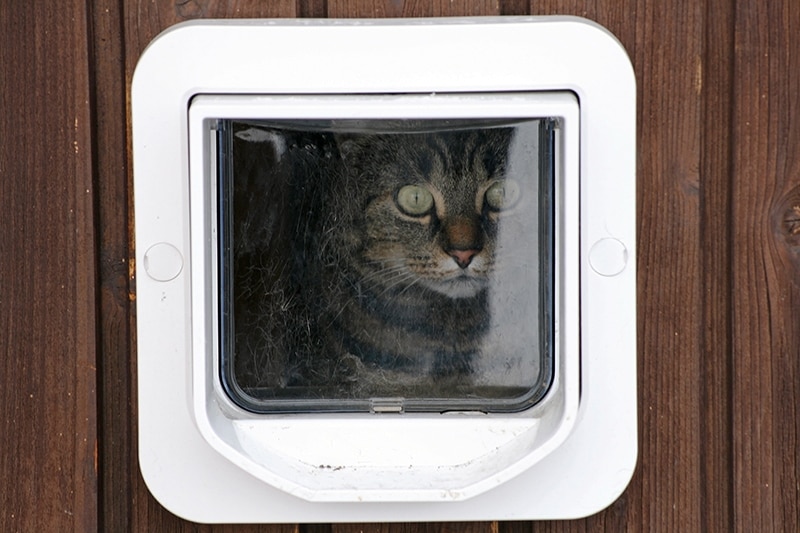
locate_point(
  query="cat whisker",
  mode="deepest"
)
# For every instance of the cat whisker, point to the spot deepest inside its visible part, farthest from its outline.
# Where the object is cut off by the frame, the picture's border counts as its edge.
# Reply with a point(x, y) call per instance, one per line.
point(413, 283)
point(397, 281)
point(385, 273)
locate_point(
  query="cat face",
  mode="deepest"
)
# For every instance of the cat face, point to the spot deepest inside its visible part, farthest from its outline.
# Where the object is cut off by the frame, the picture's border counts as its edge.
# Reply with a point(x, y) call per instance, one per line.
point(433, 206)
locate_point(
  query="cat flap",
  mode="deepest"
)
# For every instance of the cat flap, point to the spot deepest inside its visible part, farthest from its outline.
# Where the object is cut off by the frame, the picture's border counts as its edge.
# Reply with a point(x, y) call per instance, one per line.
point(341, 218)
point(385, 265)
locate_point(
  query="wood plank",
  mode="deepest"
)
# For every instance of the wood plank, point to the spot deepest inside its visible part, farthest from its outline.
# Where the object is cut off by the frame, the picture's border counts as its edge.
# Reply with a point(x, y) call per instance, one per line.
point(716, 409)
point(47, 299)
point(118, 464)
point(766, 265)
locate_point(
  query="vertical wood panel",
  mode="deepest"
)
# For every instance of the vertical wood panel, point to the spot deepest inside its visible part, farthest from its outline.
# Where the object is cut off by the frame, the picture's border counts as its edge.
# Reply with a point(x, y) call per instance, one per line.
point(667, 57)
point(716, 409)
point(766, 261)
point(118, 463)
point(47, 299)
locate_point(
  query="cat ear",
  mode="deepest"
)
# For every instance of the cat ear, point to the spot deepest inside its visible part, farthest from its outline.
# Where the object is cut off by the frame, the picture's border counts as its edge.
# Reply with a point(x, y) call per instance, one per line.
point(257, 135)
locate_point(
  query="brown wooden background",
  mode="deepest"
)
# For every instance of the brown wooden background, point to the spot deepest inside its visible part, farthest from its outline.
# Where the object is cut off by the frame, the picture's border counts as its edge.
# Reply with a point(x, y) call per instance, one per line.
point(719, 260)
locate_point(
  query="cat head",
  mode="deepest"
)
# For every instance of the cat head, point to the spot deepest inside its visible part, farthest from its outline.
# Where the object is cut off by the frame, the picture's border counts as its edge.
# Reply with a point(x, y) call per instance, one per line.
point(435, 211)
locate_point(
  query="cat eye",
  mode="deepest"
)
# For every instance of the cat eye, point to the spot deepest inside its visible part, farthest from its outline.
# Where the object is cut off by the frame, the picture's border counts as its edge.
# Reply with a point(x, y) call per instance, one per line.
point(414, 200)
point(502, 194)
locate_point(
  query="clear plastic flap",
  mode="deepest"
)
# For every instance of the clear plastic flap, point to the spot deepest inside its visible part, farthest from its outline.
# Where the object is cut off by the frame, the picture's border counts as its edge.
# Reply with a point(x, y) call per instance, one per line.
point(386, 265)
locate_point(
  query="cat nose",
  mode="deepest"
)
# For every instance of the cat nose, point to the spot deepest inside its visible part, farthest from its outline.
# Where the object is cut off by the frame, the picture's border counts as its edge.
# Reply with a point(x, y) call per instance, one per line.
point(463, 257)
point(462, 239)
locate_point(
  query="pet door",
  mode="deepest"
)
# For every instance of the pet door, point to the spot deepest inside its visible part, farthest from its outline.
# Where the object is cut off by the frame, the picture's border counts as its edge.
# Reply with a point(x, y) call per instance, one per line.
point(382, 255)
point(385, 265)
point(377, 283)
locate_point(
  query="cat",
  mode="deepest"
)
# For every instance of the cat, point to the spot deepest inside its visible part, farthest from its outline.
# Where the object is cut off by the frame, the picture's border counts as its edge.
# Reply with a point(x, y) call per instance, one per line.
point(380, 264)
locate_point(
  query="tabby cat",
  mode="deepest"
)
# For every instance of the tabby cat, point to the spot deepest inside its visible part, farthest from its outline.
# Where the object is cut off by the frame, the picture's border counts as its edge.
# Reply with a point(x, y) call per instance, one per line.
point(382, 264)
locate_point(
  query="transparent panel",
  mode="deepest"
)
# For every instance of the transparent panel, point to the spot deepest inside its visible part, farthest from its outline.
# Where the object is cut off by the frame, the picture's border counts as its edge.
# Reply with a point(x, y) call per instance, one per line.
point(386, 265)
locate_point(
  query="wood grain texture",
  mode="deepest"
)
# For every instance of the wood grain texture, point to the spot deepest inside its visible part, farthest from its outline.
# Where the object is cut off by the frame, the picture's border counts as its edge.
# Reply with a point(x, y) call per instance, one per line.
point(766, 270)
point(411, 8)
point(116, 288)
point(47, 285)
point(716, 402)
point(719, 261)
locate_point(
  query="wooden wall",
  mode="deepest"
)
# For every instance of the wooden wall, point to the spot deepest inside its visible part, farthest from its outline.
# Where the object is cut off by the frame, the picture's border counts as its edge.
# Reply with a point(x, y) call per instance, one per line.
point(719, 260)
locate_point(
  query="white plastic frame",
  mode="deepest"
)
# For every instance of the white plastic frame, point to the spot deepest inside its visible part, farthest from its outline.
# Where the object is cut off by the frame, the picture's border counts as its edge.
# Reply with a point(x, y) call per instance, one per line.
point(210, 462)
point(415, 457)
